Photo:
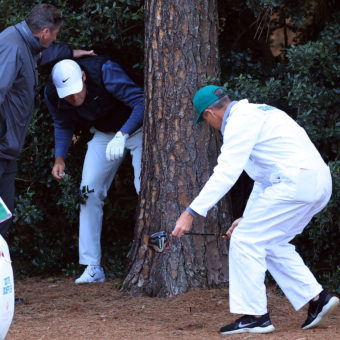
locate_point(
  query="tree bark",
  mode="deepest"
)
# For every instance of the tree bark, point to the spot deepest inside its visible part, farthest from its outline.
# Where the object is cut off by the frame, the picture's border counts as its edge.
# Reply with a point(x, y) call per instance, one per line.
point(181, 51)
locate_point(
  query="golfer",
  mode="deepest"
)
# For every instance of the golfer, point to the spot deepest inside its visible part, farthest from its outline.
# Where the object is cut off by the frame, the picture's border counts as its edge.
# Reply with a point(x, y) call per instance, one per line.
point(292, 184)
point(95, 94)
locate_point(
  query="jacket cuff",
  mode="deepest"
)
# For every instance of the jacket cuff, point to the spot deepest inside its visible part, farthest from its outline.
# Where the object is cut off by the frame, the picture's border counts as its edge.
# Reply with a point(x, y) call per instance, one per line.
point(192, 212)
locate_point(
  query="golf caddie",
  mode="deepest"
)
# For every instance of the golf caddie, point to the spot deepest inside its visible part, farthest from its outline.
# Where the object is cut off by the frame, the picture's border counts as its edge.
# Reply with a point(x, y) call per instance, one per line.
point(95, 94)
point(291, 184)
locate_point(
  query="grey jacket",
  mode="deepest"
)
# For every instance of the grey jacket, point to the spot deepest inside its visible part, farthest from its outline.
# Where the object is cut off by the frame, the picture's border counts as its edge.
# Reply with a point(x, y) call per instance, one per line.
point(20, 52)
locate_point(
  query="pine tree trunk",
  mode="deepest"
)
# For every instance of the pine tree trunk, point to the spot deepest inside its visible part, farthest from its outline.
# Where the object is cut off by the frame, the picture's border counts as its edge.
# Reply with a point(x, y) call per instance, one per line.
point(181, 51)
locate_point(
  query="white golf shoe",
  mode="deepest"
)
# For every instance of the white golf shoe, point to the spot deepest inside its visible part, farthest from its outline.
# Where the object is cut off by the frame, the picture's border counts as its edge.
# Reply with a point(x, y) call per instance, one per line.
point(91, 274)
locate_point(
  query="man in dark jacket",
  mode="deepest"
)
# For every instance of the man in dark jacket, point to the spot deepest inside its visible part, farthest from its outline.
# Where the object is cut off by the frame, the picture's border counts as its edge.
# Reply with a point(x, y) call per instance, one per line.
point(96, 94)
point(22, 48)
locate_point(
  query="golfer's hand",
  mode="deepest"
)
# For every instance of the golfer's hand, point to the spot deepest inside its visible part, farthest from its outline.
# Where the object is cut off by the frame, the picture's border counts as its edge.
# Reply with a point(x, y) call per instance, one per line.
point(183, 224)
point(83, 53)
point(231, 229)
point(58, 168)
point(115, 148)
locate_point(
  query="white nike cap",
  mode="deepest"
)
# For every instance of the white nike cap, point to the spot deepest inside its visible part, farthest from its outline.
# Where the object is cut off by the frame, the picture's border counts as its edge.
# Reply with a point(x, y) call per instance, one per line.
point(67, 78)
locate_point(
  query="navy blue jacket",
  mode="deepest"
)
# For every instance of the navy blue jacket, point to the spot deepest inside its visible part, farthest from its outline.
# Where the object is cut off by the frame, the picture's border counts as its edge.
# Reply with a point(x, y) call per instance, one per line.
point(113, 103)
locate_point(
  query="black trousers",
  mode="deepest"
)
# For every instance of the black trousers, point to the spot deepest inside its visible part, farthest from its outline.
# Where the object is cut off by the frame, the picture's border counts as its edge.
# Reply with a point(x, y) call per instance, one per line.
point(8, 171)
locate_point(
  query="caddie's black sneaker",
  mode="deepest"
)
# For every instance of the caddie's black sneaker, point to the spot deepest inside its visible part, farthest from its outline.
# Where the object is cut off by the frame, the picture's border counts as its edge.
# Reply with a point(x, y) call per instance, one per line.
point(318, 310)
point(250, 324)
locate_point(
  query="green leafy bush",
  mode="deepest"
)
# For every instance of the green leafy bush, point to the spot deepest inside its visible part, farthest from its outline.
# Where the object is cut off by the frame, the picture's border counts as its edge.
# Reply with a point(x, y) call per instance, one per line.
point(44, 234)
point(304, 82)
point(313, 92)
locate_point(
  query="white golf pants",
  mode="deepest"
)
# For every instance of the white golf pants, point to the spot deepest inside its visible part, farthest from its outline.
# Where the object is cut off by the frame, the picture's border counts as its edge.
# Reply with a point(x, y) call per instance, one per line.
point(98, 174)
point(276, 214)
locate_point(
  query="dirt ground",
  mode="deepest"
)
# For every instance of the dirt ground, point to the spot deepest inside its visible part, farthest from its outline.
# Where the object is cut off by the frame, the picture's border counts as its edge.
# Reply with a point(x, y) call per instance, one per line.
point(55, 308)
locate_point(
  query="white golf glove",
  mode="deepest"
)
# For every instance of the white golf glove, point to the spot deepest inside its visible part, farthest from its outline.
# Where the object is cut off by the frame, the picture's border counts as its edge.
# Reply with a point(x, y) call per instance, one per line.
point(115, 148)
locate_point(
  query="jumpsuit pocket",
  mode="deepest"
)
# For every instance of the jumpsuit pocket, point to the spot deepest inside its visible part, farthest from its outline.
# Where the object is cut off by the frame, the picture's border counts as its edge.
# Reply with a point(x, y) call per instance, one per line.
point(307, 186)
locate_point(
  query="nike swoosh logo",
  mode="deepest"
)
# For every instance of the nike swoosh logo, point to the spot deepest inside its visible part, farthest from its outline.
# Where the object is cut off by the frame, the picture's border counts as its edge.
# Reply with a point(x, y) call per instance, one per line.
point(92, 275)
point(314, 315)
point(65, 80)
point(245, 324)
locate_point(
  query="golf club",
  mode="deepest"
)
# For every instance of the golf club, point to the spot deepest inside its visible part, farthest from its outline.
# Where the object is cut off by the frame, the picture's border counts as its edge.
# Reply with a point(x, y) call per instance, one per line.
point(159, 241)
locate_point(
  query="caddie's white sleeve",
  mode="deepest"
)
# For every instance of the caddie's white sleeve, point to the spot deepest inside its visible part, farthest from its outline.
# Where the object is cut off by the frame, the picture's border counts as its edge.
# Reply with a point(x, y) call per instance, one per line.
point(240, 136)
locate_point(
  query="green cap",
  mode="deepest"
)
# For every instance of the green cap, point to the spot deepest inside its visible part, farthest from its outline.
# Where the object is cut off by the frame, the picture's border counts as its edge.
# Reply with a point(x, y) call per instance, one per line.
point(204, 97)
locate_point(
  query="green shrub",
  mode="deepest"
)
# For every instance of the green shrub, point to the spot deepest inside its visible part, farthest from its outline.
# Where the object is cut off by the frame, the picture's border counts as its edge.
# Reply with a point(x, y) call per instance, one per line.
point(305, 84)
point(44, 234)
point(303, 81)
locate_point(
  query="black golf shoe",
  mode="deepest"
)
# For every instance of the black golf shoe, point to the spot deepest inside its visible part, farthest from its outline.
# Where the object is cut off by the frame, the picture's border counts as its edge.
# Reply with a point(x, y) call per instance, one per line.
point(250, 324)
point(318, 310)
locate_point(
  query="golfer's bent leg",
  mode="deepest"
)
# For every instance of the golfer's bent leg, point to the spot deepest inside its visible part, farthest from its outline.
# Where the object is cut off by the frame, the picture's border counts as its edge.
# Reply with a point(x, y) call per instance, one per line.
point(98, 174)
point(247, 267)
point(135, 145)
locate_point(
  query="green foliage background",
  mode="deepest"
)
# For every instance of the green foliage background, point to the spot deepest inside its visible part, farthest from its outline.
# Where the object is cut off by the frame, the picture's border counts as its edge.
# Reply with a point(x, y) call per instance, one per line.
point(44, 235)
point(302, 80)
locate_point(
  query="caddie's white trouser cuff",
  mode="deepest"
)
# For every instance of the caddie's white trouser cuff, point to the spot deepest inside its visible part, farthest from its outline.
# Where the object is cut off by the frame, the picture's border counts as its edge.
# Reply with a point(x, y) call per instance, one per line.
point(98, 174)
point(261, 242)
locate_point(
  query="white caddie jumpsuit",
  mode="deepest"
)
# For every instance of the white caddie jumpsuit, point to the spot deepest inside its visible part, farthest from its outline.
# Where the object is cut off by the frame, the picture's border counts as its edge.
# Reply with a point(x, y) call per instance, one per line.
point(292, 183)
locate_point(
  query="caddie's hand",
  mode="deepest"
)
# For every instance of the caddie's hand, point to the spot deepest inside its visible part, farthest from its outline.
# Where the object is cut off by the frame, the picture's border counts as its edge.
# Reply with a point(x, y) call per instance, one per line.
point(83, 53)
point(58, 168)
point(115, 148)
point(231, 229)
point(183, 224)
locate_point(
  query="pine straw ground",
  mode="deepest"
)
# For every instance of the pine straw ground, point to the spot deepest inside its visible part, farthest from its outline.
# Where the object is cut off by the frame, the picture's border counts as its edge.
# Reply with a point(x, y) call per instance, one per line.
point(55, 308)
